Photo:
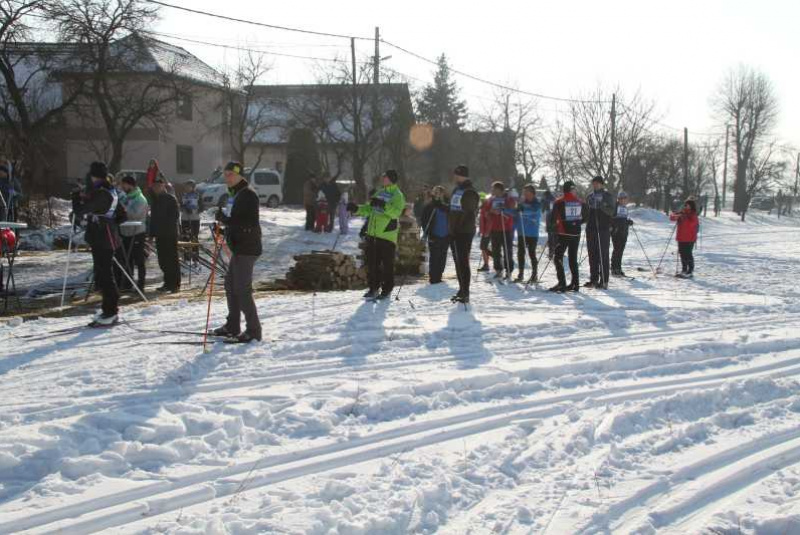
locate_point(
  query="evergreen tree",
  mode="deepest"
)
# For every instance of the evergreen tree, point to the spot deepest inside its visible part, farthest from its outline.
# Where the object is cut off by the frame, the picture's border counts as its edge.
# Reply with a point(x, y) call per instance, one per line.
point(302, 161)
point(439, 104)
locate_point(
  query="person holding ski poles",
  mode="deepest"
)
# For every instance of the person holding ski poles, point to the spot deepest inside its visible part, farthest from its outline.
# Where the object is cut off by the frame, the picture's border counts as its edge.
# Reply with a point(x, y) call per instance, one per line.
point(384, 210)
point(240, 219)
point(502, 209)
point(136, 208)
point(568, 214)
point(102, 235)
point(620, 224)
point(484, 229)
point(598, 233)
point(686, 236)
point(435, 231)
point(526, 224)
point(461, 224)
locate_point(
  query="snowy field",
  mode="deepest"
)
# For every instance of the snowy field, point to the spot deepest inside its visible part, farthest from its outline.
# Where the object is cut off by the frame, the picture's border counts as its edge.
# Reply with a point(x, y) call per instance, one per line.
point(658, 406)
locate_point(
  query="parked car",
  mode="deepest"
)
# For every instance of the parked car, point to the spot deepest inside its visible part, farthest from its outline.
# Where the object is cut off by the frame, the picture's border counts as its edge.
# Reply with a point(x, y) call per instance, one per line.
point(762, 202)
point(268, 183)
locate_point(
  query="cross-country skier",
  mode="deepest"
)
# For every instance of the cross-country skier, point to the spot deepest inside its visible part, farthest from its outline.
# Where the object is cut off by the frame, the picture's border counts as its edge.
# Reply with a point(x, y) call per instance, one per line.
point(435, 231)
point(102, 234)
point(384, 211)
point(527, 226)
point(485, 231)
point(502, 209)
point(686, 236)
point(165, 219)
point(619, 233)
point(240, 218)
point(461, 223)
point(136, 208)
point(568, 214)
point(598, 233)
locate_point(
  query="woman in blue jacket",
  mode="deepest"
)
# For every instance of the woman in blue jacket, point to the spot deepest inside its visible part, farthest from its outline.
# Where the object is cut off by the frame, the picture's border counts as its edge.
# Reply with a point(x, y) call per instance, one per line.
point(529, 211)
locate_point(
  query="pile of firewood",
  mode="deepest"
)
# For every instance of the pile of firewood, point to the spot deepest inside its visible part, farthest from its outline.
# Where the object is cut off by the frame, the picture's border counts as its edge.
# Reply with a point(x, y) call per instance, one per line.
point(410, 248)
point(325, 270)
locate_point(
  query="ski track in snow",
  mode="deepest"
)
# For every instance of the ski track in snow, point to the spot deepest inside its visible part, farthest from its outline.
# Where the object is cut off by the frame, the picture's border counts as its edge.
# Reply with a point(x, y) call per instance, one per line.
point(659, 406)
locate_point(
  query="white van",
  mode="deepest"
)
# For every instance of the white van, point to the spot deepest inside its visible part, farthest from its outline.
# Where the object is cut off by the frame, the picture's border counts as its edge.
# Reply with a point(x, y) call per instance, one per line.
point(268, 183)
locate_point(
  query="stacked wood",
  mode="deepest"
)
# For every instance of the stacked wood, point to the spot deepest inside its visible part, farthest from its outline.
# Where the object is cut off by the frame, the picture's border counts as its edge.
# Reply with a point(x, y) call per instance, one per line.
point(410, 257)
point(325, 270)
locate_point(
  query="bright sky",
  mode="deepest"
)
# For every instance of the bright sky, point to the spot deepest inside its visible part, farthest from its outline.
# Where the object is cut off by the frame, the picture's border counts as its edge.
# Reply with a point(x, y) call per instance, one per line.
point(675, 52)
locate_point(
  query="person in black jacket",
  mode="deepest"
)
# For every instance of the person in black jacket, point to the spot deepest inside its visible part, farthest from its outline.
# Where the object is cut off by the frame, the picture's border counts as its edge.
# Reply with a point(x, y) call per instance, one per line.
point(102, 234)
point(165, 218)
point(568, 214)
point(435, 231)
point(619, 233)
point(333, 195)
point(240, 217)
point(598, 233)
point(464, 203)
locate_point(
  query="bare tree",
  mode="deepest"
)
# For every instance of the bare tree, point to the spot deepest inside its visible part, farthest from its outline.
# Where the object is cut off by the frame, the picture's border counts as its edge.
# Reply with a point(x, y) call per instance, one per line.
point(249, 117)
point(519, 119)
point(31, 106)
point(558, 154)
point(746, 99)
point(124, 89)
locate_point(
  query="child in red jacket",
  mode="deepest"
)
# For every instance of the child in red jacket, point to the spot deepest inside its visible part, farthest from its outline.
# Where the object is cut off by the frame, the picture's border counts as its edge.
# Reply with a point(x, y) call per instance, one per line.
point(321, 222)
point(688, 225)
point(484, 228)
point(501, 224)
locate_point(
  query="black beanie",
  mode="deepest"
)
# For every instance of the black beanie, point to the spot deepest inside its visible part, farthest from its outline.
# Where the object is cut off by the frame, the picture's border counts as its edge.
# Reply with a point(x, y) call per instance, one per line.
point(392, 174)
point(461, 170)
point(128, 179)
point(234, 166)
point(568, 186)
point(598, 178)
point(98, 170)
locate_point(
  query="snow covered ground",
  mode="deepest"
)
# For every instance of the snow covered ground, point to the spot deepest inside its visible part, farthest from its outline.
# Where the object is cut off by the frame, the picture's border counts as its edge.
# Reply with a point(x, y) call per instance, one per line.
point(658, 406)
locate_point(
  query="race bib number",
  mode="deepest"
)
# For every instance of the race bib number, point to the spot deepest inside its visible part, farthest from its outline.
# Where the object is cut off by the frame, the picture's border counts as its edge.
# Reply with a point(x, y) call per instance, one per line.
point(386, 197)
point(190, 203)
point(228, 207)
point(498, 204)
point(622, 212)
point(455, 200)
point(572, 211)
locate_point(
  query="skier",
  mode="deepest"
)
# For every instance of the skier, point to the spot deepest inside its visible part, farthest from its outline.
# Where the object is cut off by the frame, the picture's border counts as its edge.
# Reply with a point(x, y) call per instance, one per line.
point(461, 225)
point(240, 218)
point(686, 236)
point(102, 234)
point(323, 214)
point(310, 189)
point(435, 231)
point(191, 206)
point(502, 208)
point(344, 215)
point(164, 223)
point(484, 228)
point(619, 233)
point(598, 226)
point(136, 209)
point(526, 224)
point(384, 210)
point(568, 214)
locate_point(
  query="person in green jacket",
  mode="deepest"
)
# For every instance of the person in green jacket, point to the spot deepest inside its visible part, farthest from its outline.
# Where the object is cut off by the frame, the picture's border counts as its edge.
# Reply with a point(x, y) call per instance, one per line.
point(383, 213)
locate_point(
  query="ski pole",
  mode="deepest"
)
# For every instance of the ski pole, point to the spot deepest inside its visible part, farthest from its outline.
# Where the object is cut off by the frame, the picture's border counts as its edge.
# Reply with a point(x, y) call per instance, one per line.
point(644, 252)
point(69, 250)
point(505, 246)
point(127, 276)
point(211, 284)
point(599, 251)
point(666, 248)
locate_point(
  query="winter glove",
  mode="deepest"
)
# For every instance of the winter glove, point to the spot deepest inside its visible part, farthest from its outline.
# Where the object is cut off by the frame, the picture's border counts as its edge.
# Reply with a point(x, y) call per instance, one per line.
point(377, 202)
point(630, 222)
point(352, 207)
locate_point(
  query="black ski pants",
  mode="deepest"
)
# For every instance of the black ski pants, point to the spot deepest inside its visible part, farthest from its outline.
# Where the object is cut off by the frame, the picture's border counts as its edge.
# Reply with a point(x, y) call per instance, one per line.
point(685, 249)
point(502, 251)
point(104, 280)
point(167, 248)
point(619, 238)
point(530, 247)
point(598, 241)
point(380, 264)
point(461, 244)
point(570, 245)
point(437, 257)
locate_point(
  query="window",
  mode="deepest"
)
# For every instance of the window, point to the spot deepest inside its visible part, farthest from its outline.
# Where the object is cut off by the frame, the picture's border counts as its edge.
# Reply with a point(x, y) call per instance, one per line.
point(267, 179)
point(185, 159)
point(279, 167)
point(185, 107)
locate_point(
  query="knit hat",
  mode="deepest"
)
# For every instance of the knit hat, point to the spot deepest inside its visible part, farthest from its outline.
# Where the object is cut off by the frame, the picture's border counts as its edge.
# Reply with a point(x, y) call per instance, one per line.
point(128, 179)
point(599, 179)
point(392, 175)
point(692, 205)
point(234, 166)
point(461, 170)
point(98, 170)
point(498, 185)
point(530, 187)
point(568, 186)
point(622, 195)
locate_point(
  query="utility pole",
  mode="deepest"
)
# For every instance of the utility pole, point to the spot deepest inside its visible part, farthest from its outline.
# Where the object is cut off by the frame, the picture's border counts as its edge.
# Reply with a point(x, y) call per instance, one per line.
point(797, 175)
point(357, 174)
point(376, 75)
point(725, 166)
point(610, 177)
point(685, 161)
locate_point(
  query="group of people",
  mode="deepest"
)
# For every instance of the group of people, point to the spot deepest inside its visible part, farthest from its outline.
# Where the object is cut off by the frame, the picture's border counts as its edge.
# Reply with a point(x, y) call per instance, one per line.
point(506, 219)
point(117, 219)
point(324, 202)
